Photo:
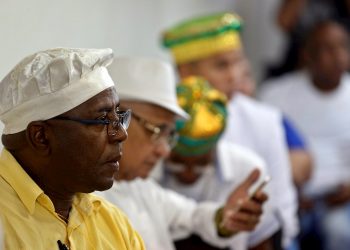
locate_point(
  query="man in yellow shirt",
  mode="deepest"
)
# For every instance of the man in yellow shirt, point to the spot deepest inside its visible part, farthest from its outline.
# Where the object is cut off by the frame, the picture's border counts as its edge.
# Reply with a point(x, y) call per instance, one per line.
point(62, 139)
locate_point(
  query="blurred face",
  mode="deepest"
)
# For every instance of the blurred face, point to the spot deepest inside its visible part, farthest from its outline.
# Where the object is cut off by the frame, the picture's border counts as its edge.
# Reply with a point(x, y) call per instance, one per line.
point(187, 170)
point(220, 70)
point(245, 81)
point(144, 149)
point(84, 157)
point(327, 55)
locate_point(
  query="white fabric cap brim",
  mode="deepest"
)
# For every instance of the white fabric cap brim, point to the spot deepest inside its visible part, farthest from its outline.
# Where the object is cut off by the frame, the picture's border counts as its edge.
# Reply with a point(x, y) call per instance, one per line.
point(147, 80)
point(159, 102)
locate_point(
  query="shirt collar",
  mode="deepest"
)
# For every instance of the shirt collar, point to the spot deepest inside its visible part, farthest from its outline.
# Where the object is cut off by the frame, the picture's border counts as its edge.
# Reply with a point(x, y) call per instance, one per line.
point(87, 203)
point(27, 190)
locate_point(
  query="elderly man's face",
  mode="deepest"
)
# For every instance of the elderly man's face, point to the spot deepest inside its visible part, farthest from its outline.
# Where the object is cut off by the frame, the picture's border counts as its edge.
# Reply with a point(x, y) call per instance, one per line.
point(84, 157)
point(141, 151)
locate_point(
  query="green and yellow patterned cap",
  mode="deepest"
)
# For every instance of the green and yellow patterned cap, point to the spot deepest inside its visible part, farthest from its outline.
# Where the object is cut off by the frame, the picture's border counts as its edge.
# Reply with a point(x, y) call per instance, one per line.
point(204, 36)
point(207, 109)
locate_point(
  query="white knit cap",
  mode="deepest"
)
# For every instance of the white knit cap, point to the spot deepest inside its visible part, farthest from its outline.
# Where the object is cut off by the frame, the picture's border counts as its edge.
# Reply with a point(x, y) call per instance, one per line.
point(147, 80)
point(51, 82)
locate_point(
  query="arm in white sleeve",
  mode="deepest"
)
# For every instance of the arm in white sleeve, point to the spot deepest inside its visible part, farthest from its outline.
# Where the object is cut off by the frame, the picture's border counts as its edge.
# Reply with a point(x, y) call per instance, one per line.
point(185, 216)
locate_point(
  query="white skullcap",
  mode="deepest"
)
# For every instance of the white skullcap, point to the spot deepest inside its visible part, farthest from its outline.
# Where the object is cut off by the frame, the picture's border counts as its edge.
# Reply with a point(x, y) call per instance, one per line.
point(147, 80)
point(51, 82)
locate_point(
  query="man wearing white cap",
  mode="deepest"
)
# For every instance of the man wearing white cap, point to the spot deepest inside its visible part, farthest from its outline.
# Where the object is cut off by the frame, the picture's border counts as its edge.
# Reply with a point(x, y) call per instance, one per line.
point(62, 139)
point(161, 216)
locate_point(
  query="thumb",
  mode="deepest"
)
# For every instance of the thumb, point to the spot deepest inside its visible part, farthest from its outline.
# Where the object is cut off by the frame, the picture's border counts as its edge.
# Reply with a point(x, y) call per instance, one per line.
point(250, 180)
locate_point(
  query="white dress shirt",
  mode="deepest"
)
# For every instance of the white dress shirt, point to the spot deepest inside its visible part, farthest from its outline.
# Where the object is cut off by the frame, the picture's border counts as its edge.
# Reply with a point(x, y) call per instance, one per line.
point(259, 128)
point(234, 164)
point(162, 216)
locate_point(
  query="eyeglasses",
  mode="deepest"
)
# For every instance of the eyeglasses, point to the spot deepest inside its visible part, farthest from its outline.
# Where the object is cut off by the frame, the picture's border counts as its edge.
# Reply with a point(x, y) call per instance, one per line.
point(113, 126)
point(161, 132)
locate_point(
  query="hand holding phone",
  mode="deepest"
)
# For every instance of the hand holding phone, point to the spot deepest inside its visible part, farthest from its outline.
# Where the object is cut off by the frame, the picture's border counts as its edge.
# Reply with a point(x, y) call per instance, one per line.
point(259, 187)
point(239, 201)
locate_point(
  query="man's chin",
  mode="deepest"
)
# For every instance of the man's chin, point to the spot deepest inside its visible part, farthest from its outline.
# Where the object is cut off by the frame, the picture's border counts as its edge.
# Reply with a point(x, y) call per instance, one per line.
point(105, 185)
point(144, 175)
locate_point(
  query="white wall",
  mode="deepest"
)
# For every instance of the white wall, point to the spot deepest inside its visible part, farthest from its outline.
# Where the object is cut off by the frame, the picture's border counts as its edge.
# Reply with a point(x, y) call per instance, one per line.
point(129, 27)
point(263, 40)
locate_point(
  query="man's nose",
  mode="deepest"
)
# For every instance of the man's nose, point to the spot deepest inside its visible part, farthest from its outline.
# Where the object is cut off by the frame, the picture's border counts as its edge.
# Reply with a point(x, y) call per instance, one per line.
point(120, 136)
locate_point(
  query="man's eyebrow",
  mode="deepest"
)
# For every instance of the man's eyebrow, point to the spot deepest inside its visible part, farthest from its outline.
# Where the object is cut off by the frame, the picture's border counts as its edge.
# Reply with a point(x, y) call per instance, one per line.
point(108, 108)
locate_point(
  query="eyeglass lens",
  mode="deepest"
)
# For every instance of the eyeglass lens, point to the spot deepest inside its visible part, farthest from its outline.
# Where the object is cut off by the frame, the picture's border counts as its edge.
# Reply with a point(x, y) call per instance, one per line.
point(122, 123)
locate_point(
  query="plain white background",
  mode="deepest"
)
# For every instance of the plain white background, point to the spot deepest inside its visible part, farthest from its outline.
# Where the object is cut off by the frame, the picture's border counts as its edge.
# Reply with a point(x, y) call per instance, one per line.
point(129, 27)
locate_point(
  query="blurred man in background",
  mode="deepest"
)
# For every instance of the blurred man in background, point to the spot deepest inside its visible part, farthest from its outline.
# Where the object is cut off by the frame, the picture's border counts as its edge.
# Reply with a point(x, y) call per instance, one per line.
point(210, 46)
point(317, 99)
point(205, 168)
point(299, 155)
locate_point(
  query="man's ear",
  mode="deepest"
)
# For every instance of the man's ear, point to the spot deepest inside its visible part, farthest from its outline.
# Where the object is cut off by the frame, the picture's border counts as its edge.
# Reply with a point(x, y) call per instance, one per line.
point(37, 137)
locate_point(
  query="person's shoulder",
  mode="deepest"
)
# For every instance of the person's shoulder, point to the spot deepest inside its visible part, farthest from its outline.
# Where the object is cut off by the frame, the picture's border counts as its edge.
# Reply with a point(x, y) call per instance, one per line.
point(286, 79)
point(255, 109)
point(240, 152)
point(115, 221)
point(98, 199)
point(108, 211)
point(346, 79)
point(146, 189)
point(140, 184)
point(282, 85)
point(242, 157)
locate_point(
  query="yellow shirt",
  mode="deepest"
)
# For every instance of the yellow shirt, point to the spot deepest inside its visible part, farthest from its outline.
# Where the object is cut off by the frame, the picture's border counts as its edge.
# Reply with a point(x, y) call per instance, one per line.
point(30, 221)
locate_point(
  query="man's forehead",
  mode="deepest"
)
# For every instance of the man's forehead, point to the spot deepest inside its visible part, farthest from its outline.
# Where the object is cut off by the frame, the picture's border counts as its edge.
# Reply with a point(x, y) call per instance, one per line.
point(234, 54)
point(325, 31)
point(106, 99)
point(229, 56)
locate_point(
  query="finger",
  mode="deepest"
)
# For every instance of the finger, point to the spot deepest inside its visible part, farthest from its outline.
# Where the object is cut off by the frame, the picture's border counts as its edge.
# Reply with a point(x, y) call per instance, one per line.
point(245, 218)
point(260, 197)
point(250, 180)
point(238, 226)
point(234, 206)
point(230, 211)
point(252, 207)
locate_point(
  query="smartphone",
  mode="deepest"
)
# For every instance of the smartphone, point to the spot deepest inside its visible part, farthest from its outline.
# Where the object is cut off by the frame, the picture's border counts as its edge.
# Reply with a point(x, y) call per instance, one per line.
point(259, 187)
